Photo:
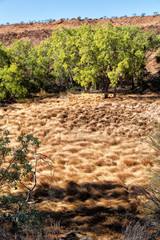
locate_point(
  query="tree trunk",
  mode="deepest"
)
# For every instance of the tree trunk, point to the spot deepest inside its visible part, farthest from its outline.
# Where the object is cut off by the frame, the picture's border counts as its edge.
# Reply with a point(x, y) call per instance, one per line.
point(133, 86)
point(106, 90)
point(88, 87)
point(115, 91)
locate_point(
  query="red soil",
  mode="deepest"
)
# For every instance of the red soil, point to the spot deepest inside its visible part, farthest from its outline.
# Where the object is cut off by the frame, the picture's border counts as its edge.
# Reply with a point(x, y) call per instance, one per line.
point(40, 31)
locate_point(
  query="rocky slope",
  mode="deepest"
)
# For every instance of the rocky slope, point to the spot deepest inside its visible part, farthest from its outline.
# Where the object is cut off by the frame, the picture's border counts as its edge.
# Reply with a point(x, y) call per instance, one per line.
point(40, 31)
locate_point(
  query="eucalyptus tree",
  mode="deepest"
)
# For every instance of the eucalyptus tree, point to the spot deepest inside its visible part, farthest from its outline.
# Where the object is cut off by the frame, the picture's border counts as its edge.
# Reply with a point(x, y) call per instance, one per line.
point(17, 76)
point(122, 51)
point(64, 55)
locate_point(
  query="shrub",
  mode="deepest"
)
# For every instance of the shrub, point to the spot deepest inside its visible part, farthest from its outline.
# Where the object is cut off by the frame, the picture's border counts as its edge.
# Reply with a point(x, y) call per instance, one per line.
point(149, 227)
point(138, 231)
point(19, 208)
point(152, 192)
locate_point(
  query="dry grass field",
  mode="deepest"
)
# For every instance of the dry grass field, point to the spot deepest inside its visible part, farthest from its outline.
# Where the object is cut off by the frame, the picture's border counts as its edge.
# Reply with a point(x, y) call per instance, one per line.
point(100, 155)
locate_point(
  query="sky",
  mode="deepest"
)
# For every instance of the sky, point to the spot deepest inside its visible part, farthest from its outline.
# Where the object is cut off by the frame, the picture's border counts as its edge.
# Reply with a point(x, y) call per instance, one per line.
point(15, 11)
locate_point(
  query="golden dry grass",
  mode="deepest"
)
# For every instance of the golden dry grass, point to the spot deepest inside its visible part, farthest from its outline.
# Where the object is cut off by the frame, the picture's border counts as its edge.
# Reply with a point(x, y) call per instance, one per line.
point(99, 150)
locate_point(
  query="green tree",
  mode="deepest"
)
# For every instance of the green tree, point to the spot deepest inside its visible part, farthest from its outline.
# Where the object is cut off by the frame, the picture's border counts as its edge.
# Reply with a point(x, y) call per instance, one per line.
point(44, 69)
point(4, 58)
point(17, 159)
point(63, 54)
point(122, 51)
point(85, 70)
point(107, 41)
point(11, 84)
point(134, 45)
point(90, 56)
point(17, 78)
point(23, 54)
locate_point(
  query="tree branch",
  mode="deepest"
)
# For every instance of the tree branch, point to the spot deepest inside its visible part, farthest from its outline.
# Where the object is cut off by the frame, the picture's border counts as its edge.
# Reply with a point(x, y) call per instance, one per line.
point(35, 179)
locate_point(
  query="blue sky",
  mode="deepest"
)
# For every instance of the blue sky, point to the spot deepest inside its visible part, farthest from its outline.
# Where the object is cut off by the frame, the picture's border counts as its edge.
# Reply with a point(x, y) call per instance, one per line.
point(15, 11)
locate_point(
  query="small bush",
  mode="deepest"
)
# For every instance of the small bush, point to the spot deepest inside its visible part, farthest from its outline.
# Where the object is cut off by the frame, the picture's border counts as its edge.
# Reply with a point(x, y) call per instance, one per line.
point(149, 228)
point(138, 231)
point(152, 191)
point(21, 213)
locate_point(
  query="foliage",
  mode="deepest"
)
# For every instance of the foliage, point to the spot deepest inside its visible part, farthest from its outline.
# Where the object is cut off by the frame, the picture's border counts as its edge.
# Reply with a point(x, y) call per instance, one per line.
point(4, 59)
point(23, 54)
point(24, 74)
point(100, 56)
point(152, 192)
point(11, 199)
point(149, 227)
point(44, 70)
point(17, 77)
point(30, 217)
point(90, 56)
point(17, 168)
point(11, 85)
point(62, 53)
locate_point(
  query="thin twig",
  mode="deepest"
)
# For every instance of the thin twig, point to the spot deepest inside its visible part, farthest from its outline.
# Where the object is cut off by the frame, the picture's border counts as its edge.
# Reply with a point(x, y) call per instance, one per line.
point(45, 156)
point(72, 233)
point(35, 179)
point(24, 186)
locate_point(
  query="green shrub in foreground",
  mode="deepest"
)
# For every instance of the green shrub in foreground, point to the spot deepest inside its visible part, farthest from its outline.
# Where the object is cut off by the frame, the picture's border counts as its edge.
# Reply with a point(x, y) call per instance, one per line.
point(21, 213)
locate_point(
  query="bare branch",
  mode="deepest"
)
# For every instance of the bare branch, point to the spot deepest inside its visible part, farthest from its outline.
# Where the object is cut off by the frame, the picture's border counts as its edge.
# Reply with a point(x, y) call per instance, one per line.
point(30, 190)
point(24, 185)
point(35, 179)
point(45, 156)
point(151, 196)
point(73, 235)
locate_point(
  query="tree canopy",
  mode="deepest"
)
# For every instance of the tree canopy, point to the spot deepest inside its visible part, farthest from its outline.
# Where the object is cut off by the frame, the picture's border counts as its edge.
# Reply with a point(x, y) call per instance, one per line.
point(90, 56)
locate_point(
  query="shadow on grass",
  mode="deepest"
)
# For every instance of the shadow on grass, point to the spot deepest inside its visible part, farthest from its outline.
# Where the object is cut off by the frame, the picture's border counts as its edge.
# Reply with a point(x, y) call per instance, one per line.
point(96, 207)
